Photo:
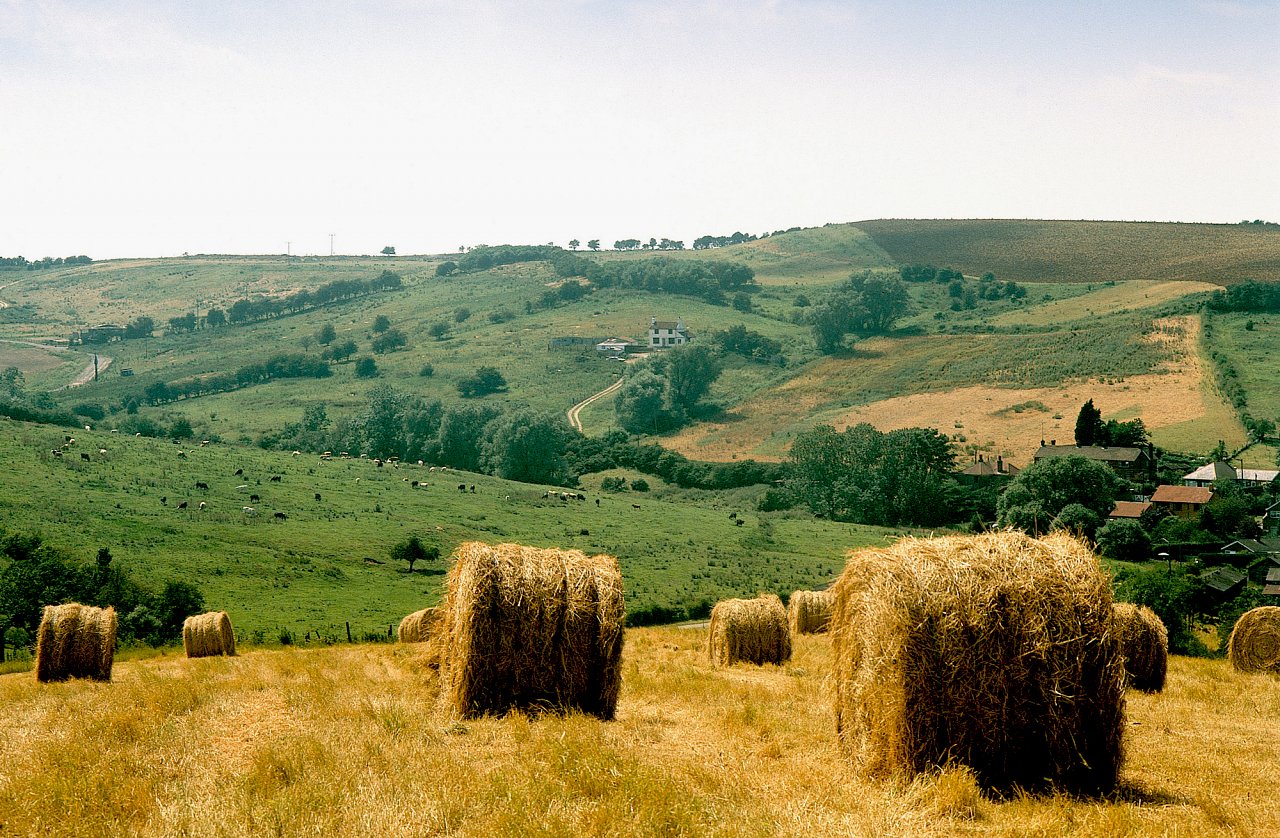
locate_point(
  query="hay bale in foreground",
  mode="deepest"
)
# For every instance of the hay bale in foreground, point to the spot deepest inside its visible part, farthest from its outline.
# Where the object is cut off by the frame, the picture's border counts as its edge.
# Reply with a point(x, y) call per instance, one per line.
point(749, 631)
point(995, 651)
point(209, 634)
point(1144, 642)
point(75, 641)
point(809, 612)
point(1255, 641)
point(418, 626)
point(533, 629)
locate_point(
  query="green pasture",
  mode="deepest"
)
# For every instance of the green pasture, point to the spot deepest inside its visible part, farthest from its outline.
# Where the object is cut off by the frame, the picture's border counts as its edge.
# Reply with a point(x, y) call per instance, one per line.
point(310, 570)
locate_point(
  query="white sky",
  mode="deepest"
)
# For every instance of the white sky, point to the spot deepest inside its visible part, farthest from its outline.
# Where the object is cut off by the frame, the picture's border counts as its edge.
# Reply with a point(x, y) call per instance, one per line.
point(132, 128)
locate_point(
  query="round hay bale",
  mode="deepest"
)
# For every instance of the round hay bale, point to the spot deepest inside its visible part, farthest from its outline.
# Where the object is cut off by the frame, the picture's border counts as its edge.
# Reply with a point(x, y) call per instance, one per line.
point(809, 612)
point(417, 627)
point(205, 635)
point(75, 641)
point(1255, 641)
point(749, 631)
point(1144, 642)
point(994, 651)
point(533, 629)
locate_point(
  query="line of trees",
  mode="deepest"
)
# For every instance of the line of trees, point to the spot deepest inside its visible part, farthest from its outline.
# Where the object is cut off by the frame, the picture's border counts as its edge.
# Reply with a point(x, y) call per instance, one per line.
point(283, 365)
point(1248, 296)
point(46, 262)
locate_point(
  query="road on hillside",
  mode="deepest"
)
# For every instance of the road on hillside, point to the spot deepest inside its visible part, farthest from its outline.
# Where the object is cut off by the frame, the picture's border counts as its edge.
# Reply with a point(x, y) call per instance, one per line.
point(86, 375)
point(574, 412)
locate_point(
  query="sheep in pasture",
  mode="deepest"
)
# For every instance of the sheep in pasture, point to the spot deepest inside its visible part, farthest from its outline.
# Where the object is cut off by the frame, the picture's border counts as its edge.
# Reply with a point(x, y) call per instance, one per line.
point(248, 510)
point(203, 505)
point(182, 454)
point(102, 450)
point(280, 516)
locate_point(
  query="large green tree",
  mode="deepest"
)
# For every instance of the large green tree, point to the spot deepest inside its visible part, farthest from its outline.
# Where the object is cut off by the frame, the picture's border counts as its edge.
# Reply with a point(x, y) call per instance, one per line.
point(691, 370)
point(641, 403)
point(526, 446)
point(1089, 426)
point(1038, 494)
point(461, 433)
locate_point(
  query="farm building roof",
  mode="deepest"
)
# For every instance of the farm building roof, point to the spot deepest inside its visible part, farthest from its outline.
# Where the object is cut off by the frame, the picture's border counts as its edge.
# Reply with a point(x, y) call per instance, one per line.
point(1271, 590)
point(1182, 494)
point(1253, 545)
point(1273, 576)
point(1129, 509)
point(1226, 580)
point(1220, 470)
point(1091, 452)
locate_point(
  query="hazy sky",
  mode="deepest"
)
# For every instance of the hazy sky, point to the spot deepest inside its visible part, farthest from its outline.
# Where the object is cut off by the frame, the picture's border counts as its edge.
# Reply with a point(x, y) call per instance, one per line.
point(157, 128)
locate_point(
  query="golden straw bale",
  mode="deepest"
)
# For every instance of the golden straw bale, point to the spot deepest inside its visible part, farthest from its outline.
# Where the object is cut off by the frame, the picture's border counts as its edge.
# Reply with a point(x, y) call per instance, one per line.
point(531, 628)
point(809, 612)
point(995, 651)
point(76, 641)
point(750, 631)
point(1144, 642)
point(1255, 641)
point(418, 626)
point(205, 635)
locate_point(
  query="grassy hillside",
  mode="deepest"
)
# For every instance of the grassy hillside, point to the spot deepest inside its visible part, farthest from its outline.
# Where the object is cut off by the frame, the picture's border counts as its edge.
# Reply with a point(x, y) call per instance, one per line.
point(310, 570)
point(348, 740)
point(1084, 251)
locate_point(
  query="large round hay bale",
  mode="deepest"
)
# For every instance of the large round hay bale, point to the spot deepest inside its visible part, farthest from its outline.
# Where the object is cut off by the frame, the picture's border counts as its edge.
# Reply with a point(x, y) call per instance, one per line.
point(749, 631)
point(1144, 642)
point(531, 628)
point(809, 612)
point(418, 626)
point(76, 641)
point(1255, 641)
point(205, 635)
point(994, 651)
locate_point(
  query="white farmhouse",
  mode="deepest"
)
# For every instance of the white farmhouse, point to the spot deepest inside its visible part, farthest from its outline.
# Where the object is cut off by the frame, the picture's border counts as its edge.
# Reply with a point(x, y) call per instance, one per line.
point(666, 333)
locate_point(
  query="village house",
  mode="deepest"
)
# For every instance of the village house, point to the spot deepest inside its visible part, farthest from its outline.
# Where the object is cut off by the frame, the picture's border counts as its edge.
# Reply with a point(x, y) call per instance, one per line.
point(1128, 510)
point(615, 346)
point(1207, 474)
point(983, 469)
point(667, 333)
point(1183, 501)
point(1136, 464)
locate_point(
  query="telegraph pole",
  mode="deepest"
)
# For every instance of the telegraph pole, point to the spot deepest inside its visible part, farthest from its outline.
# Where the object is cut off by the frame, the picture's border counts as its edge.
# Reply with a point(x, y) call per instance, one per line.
point(331, 235)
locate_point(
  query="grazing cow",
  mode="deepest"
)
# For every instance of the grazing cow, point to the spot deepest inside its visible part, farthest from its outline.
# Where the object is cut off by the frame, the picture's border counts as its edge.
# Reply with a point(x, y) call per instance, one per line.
point(84, 456)
point(182, 454)
point(275, 478)
point(739, 522)
point(57, 452)
point(200, 484)
point(433, 468)
point(414, 484)
point(462, 487)
point(164, 501)
point(254, 498)
point(280, 516)
point(317, 496)
point(597, 501)
point(203, 443)
point(584, 532)
point(733, 515)
point(377, 462)
point(296, 453)
point(68, 440)
point(203, 505)
point(473, 490)
point(635, 506)
point(182, 505)
point(239, 472)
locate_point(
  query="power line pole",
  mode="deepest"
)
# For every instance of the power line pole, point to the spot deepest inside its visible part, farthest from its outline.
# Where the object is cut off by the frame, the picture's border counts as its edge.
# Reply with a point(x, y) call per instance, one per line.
point(331, 235)
point(288, 248)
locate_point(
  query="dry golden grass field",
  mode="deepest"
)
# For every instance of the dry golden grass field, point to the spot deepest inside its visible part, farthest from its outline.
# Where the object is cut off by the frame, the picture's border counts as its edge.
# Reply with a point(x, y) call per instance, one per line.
point(1084, 251)
point(1105, 299)
point(349, 741)
point(1180, 405)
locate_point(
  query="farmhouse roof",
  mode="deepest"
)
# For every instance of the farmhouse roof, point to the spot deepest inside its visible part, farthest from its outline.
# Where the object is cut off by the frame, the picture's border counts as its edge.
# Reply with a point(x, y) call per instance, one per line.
point(1182, 494)
point(1223, 579)
point(1091, 452)
point(1219, 470)
point(1253, 545)
point(1129, 509)
point(664, 324)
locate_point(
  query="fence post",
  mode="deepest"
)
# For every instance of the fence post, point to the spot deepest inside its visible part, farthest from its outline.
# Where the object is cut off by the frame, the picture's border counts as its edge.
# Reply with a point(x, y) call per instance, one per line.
point(348, 631)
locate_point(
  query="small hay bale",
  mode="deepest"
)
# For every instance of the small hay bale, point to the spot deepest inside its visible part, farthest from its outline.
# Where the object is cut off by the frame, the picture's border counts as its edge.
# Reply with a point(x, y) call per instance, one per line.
point(418, 626)
point(533, 629)
point(809, 612)
point(995, 651)
point(206, 635)
point(749, 631)
point(1255, 641)
point(75, 641)
point(1144, 642)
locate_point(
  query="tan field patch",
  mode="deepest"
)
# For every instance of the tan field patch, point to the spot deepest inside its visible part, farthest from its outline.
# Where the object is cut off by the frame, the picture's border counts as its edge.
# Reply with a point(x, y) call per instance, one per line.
point(1180, 406)
point(1109, 299)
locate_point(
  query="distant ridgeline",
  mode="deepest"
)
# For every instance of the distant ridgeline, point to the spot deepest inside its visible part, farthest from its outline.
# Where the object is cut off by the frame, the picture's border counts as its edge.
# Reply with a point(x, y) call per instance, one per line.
point(706, 279)
point(47, 262)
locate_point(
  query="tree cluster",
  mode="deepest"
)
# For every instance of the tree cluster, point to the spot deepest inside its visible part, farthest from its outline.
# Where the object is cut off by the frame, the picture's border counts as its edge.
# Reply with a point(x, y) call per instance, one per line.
point(928, 273)
point(282, 365)
point(707, 242)
point(1250, 296)
point(17, 402)
point(651, 244)
point(749, 344)
point(662, 392)
point(868, 303)
point(1071, 493)
point(865, 476)
point(36, 574)
point(40, 264)
point(1092, 430)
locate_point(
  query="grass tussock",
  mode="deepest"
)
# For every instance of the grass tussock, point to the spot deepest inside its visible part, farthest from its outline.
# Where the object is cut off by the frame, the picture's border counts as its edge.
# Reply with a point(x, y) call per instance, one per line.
point(315, 741)
point(996, 652)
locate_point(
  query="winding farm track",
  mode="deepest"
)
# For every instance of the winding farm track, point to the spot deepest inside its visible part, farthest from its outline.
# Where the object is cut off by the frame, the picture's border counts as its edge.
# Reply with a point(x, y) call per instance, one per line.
point(574, 413)
point(85, 375)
